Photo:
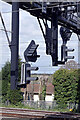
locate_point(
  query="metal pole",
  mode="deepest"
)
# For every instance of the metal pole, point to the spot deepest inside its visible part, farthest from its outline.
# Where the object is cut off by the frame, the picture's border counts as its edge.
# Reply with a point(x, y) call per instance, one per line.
point(54, 44)
point(14, 45)
point(78, 89)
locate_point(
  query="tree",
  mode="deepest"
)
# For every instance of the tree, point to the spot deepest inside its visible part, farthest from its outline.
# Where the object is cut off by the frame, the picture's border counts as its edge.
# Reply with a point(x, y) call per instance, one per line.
point(43, 91)
point(70, 65)
point(78, 91)
point(65, 83)
point(5, 80)
point(14, 96)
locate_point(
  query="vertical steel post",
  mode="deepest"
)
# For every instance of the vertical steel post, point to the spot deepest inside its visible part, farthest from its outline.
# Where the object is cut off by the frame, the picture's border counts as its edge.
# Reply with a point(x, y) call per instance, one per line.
point(14, 44)
point(54, 44)
point(78, 89)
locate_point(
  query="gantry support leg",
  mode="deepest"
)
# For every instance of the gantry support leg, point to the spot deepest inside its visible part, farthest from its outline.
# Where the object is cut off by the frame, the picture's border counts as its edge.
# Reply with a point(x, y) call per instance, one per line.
point(54, 45)
point(14, 45)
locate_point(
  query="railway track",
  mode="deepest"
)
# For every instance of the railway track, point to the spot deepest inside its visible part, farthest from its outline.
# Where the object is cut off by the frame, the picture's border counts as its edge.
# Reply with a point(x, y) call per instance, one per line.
point(38, 114)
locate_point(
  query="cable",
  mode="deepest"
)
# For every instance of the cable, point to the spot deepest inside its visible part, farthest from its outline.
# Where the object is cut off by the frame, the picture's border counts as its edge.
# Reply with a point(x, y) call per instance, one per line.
point(56, 67)
point(12, 11)
point(5, 28)
point(52, 7)
point(41, 8)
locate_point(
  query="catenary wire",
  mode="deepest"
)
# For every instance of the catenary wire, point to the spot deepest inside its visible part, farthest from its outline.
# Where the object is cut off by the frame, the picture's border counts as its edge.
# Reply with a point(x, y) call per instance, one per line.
point(40, 8)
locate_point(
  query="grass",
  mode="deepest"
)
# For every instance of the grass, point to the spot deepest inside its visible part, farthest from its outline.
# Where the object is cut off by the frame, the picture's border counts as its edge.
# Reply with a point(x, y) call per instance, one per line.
point(56, 109)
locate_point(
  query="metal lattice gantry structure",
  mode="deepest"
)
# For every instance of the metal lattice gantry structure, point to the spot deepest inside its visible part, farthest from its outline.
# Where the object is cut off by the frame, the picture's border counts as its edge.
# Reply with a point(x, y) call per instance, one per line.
point(65, 14)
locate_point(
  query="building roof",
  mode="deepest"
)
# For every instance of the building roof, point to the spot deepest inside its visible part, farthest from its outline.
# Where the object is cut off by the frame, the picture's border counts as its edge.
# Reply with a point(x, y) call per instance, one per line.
point(36, 88)
point(49, 88)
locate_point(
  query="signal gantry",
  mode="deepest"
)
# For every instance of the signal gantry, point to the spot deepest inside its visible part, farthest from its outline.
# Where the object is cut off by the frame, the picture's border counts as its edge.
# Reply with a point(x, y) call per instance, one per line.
point(65, 14)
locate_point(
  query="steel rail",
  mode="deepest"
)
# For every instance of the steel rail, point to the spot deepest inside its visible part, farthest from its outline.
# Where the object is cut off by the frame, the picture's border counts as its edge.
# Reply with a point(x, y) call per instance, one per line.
point(29, 113)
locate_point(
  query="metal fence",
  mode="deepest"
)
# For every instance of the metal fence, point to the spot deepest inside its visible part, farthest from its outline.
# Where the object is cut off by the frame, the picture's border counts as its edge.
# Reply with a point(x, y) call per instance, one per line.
point(48, 105)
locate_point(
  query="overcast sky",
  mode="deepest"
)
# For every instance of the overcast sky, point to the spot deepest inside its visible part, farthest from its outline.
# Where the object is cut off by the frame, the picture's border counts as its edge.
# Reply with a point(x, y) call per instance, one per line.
point(30, 30)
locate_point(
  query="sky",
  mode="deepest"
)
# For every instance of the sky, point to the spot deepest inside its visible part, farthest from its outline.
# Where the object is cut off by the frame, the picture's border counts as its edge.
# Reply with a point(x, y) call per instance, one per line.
point(30, 30)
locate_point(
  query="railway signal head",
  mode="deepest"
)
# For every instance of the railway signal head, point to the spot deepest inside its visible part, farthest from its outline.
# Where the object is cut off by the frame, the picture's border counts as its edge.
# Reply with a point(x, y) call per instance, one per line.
point(65, 34)
point(26, 74)
point(64, 53)
point(30, 53)
point(51, 46)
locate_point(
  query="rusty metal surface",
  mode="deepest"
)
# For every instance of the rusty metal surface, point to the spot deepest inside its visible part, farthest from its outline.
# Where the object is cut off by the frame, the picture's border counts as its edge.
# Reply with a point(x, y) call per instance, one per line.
point(22, 114)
